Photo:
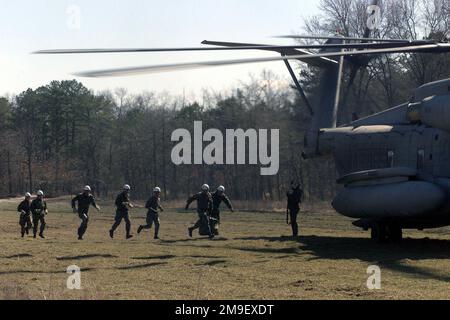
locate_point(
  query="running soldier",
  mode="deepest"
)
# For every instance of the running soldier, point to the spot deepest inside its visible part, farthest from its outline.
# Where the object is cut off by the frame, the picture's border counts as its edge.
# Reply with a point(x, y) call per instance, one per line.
point(204, 207)
point(218, 197)
point(84, 200)
point(294, 197)
point(123, 205)
point(153, 205)
point(39, 210)
point(25, 215)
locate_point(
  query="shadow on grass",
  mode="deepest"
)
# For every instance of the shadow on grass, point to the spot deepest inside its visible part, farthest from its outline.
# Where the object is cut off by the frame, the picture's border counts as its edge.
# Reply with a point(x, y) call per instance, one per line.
point(155, 257)
point(293, 250)
point(142, 266)
point(193, 240)
point(41, 272)
point(360, 248)
point(18, 256)
point(387, 255)
point(213, 263)
point(204, 257)
point(87, 256)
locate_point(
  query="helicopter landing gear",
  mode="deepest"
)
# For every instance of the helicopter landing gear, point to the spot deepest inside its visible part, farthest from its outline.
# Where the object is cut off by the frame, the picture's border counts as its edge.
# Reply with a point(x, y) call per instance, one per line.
point(378, 232)
point(383, 232)
point(395, 232)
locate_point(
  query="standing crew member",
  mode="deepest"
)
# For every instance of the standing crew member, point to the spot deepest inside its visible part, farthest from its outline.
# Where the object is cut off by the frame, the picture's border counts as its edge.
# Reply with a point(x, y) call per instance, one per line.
point(25, 214)
point(123, 205)
point(39, 211)
point(218, 197)
point(153, 205)
point(204, 207)
point(294, 197)
point(85, 200)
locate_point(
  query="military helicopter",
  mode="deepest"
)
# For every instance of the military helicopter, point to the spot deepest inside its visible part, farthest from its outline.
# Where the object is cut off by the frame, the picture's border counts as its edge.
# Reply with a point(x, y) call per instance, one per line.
point(394, 165)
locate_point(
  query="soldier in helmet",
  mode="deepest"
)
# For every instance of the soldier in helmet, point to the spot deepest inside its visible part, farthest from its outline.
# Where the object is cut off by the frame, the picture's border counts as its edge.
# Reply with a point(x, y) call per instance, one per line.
point(294, 198)
point(204, 207)
point(39, 210)
point(24, 209)
point(153, 205)
point(123, 205)
point(218, 197)
point(84, 200)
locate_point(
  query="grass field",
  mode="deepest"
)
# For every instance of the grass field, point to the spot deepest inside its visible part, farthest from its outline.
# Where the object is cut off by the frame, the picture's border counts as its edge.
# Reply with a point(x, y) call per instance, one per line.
point(253, 259)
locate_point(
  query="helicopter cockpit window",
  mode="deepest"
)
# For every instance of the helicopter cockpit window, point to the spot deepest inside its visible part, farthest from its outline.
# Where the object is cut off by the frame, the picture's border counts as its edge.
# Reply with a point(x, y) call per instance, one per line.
point(420, 159)
point(391, 155)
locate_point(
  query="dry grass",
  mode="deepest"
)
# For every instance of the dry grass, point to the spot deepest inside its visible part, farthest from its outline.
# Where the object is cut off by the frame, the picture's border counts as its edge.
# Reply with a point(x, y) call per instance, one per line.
point(253, 260)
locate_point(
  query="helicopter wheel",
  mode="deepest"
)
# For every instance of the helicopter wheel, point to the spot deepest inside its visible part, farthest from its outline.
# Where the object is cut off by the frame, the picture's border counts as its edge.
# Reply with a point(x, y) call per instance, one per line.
point(379, 232)
point(395, 232)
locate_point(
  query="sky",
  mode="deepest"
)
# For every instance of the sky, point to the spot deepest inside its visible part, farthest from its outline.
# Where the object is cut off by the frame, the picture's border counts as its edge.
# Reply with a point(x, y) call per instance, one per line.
point(30, 25)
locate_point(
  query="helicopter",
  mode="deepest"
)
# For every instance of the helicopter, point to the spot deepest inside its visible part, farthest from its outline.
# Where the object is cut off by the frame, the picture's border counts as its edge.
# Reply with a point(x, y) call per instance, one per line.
point(394, 166)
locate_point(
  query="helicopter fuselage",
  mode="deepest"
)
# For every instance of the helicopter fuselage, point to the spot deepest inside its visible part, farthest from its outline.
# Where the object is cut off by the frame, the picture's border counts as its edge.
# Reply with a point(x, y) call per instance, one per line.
point(395, 166)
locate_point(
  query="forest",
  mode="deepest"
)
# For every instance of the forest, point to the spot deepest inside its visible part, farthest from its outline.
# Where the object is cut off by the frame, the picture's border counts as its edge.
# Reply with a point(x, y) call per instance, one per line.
point(61, 136)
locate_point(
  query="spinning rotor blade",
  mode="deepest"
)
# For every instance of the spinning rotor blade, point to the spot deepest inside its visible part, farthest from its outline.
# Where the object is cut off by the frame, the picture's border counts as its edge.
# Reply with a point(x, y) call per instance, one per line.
point(205, 64)
point(246, 47)
point(348, 38)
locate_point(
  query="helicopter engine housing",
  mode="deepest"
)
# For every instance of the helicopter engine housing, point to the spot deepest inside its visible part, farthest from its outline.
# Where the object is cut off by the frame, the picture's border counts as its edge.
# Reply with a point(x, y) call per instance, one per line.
point(433, 111)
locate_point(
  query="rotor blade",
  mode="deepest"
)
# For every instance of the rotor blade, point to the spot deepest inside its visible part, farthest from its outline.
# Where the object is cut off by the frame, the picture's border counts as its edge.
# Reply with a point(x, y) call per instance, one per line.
point(342, 38)
point(247, 47)
point(205, 64)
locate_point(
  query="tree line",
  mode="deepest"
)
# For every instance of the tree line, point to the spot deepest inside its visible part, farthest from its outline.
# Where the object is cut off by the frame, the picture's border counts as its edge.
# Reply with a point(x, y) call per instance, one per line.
point(62, 136)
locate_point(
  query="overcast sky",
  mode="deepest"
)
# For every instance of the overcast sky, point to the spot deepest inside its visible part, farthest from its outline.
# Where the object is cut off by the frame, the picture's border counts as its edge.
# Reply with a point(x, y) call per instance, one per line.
point(28, 25)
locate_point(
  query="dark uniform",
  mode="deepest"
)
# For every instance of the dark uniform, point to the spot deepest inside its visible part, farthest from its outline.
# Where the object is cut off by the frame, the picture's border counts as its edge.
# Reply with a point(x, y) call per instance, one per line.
point(38, 210)
point(204, 208)
point(25, 216)
point(122, 201)
point(85, 200)
point(217, 198)
point(294, 199)
point(153, 205)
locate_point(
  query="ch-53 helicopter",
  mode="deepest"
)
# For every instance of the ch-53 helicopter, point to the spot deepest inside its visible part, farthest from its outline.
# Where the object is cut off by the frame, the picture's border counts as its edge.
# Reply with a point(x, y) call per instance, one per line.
point(394, 165)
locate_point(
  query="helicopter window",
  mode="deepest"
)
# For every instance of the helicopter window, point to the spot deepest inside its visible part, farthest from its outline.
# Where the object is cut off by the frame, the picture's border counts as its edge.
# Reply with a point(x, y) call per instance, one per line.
point(391, 155)
point(420, 159)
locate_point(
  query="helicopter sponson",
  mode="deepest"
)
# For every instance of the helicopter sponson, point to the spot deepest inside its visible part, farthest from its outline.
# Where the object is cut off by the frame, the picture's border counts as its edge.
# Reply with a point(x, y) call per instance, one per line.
point(388, 193)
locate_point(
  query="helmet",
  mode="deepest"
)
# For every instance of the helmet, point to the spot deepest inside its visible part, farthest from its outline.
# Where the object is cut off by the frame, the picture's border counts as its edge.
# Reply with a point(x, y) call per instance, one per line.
point(295, 184)
point(87, 188)
point(27, 195)
point(221, 189)
point(40, 193)
point(205, 187)
point(126, 187)
point(157, 189)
